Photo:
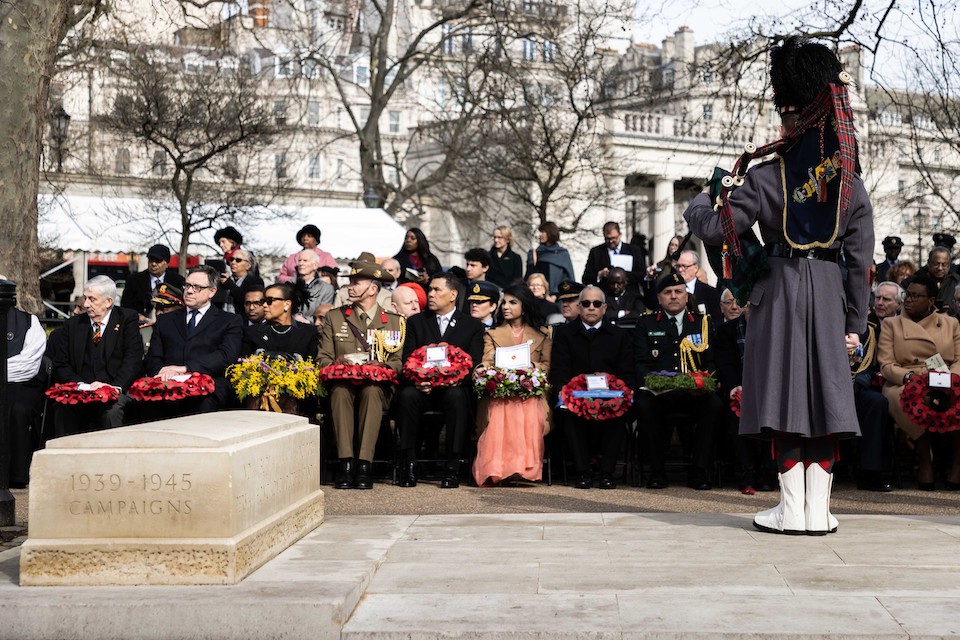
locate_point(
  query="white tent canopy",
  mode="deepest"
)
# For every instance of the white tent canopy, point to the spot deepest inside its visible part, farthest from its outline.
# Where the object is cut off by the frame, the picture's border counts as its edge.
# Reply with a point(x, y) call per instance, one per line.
point(119, 225)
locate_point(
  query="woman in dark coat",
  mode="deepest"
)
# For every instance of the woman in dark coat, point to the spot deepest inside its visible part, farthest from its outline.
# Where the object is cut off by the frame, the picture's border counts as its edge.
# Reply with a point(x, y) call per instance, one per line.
point(279, 333)
point(506, 265)
point(415, 255)
point(550, 259)
point(804, 316)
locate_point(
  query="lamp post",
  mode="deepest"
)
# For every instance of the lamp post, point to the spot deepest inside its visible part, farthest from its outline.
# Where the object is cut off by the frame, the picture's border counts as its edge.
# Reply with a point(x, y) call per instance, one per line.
point(8, 299)
point(59, 130)
point(919, 236)
point(372, 198)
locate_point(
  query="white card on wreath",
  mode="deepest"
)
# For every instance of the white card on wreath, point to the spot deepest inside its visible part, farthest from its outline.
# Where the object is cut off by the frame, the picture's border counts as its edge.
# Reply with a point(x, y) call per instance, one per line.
point(435, 357)
point(939, 380)
point(597, 383)
point(517, 357)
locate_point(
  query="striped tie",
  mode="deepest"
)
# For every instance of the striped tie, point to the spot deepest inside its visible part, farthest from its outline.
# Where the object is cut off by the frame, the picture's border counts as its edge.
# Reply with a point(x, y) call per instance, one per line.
point(96, 332)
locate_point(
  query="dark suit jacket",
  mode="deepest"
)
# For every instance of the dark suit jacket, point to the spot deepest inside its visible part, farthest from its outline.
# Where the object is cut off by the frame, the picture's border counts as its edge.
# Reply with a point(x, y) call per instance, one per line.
point(576, 352)
point(728, 357)
point(214, 345)
point(630, 302)
point(599, 258)
point(137, 291)
point(709, 297)
point(464, 331)
point(121, 343)
point(657, 343)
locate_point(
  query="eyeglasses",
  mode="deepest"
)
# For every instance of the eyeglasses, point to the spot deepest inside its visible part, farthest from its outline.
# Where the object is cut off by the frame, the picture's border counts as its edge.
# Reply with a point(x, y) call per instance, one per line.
point(237, 259)
point(596, 304)
point(253, 303)
point(681, 267)
point(915, 296)
point(268, 300)
point(195, 287)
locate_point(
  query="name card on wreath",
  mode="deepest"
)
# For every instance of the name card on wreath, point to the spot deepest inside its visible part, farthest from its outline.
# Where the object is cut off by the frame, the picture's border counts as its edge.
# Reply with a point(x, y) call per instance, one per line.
point(436, 357)
point(597, 383)
point(517, 357)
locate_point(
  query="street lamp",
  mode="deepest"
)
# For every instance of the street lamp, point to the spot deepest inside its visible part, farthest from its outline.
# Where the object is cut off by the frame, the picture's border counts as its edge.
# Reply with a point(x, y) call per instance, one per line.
point(59, 130)
point(372, 199)
point(8, 300)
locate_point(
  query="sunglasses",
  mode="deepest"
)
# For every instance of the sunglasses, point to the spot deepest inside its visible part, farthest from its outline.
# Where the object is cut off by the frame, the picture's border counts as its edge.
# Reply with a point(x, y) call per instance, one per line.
point(236, 259)
point(268, 300)
point(596, 304)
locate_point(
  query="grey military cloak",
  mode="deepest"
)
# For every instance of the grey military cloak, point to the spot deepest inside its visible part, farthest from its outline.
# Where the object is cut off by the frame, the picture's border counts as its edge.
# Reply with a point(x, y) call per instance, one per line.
point(796, 371)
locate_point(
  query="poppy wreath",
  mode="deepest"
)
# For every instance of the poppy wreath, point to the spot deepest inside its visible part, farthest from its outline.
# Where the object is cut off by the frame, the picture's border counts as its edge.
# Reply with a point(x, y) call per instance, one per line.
point(596, 408)
point(696, 381)
point(358, 373)
point(152, 389)
point(925, 409)
point(459, 365)
point(735, 401)
point(70, 393)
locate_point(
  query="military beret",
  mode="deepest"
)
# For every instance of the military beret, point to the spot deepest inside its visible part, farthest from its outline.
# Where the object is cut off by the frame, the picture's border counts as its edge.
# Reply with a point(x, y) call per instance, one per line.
point(370, 270)
point(168, 295)
point(568, 290)
point(670, 279)
point(892, 242)
point(944, 240)
point(484, 291)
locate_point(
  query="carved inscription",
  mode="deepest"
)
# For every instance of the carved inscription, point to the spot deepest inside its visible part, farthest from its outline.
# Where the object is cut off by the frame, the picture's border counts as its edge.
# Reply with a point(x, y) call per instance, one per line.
point(145, 494)
point(269, 479)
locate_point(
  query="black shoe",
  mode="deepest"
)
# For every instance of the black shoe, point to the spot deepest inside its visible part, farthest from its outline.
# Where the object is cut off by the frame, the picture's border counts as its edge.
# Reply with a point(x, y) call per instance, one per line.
point(344, 479)
point(408, 475)
point(697, 479)
point(364, 479)
point(450, 481)
point(585, 481)
point(873, 481)
point(658, 480)
point(606, 482)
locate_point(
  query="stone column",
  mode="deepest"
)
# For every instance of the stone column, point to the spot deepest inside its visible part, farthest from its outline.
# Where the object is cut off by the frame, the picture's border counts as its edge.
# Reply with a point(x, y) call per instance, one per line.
point(662, 216)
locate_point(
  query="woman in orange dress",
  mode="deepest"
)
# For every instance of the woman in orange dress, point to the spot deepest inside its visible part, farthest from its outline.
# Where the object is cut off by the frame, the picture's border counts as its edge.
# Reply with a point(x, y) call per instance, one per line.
point(511, 443)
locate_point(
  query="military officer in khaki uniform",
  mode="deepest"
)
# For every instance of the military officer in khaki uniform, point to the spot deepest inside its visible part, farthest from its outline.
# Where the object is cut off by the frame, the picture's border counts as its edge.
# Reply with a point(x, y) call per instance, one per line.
point(361, 332)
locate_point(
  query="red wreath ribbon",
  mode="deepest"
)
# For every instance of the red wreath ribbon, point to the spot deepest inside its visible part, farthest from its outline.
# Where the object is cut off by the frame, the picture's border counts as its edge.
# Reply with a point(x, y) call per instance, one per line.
point(735, 400)
point(459, 367)
point(913, 400)
point(358, 373)
point(153, 389)
point(69, 393)
point(596, 408)
point(698, 377)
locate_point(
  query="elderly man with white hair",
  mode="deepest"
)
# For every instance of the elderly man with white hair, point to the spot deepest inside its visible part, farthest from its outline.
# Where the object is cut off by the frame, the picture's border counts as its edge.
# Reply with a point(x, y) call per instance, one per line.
point(319, 291)
point(101, 348)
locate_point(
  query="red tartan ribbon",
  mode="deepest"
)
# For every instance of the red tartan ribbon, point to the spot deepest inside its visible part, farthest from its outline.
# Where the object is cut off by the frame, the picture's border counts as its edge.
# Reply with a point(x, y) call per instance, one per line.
point(153, 389)
point(69, 393)
point(596, 408)
point(358, 373)
point(459, 367)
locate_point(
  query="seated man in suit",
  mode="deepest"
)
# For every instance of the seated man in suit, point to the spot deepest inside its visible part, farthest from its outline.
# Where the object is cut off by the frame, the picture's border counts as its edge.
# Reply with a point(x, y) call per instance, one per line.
point(199, 338)
point(704, 298)
point(660, 339)
point(624, 304)
point(588, 345)
point(101, 348)
point(141, 286)
point(442, 322)
point(613, 249)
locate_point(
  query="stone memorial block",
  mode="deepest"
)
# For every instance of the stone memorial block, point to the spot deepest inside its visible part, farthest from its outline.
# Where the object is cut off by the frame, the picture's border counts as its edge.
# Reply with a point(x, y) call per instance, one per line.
point(203, 499)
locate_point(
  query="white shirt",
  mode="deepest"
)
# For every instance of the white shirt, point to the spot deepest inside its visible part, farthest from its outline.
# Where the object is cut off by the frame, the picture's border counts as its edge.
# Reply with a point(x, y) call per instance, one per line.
point(155, 281)
point(444, 321)
point(26, 364)
point(200, 313)
point(588, 327)
point(691, 286)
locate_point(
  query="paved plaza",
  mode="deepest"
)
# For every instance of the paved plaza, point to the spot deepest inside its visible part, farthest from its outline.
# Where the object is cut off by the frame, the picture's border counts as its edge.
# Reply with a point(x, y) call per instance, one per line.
point(601, 574)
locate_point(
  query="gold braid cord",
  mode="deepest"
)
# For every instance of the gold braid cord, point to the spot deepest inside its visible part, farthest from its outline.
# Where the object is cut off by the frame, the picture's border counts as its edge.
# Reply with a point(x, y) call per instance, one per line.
point(380, 348)
point(688, 361)
point(869, 348)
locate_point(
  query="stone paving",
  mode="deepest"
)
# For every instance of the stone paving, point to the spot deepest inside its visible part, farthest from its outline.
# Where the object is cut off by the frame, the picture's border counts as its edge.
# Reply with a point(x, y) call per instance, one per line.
point(542, 575)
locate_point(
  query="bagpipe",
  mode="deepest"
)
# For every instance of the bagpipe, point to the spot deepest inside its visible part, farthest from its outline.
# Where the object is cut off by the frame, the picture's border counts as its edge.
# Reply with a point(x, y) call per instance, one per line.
point(820, 147)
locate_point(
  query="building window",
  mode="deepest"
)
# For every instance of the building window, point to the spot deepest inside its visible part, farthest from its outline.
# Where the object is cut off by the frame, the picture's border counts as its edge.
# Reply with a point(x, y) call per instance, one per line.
point(466, 43)
point(121, 163)
point(529, 49)
point(446, 45)
point(313, 113)
point(284, 67)
point(391, 175)
point(280, 165)
point(231, 166)
point(901, 188)
point(313, 167)
point(549, 51)
point(280, 113)
point(394, 122)
point(361, 75)
point(159, 164)
point(308, 68)
point(668, 76)
point(341, 168)
point(937, 154)
point(708, 112)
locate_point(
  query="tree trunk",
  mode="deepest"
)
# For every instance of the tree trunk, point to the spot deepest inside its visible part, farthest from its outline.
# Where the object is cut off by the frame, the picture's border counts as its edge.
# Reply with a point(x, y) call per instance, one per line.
point(29, 33)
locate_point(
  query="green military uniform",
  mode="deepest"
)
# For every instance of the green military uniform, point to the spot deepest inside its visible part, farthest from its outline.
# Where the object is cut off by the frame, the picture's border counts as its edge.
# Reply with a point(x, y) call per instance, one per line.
point(383, 332)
